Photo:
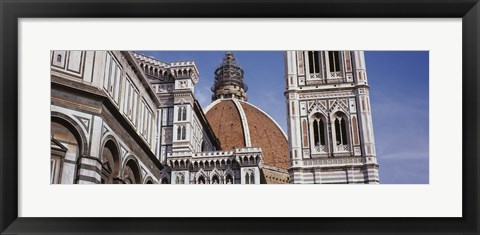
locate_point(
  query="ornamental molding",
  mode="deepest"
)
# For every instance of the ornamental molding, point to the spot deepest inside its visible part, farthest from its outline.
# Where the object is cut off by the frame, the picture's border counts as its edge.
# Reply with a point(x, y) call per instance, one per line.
point(326, 95)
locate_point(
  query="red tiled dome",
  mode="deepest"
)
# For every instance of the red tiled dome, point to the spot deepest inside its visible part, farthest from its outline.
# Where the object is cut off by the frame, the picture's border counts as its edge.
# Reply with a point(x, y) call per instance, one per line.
point(230, 118)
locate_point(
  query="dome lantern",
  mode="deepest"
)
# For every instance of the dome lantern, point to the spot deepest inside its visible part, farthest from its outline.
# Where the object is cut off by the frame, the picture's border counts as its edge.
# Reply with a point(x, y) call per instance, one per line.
point(229, 80)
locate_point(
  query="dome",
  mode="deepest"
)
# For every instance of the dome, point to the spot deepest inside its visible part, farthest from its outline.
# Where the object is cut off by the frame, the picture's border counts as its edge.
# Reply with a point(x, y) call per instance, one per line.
point(238, 123)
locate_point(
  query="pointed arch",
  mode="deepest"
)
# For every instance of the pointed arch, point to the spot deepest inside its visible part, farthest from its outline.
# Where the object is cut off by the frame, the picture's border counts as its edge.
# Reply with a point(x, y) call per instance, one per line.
point(149, 180)
point(201, 177)
point(180, 179)
point(215, 179)
point(340, 130)
point(318, 129)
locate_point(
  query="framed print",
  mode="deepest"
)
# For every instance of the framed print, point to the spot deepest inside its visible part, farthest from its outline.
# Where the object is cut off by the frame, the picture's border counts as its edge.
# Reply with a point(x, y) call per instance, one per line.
point(227, 117)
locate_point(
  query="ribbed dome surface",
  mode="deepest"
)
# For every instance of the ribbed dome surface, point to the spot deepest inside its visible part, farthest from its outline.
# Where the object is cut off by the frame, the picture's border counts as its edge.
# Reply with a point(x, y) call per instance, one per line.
point(230, 119)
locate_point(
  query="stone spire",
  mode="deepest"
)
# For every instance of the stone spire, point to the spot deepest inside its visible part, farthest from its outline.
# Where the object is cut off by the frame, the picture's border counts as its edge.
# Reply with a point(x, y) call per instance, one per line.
point(229, 80)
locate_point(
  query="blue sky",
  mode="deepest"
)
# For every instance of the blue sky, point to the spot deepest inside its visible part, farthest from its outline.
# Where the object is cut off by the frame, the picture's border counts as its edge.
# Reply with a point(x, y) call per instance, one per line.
point(398, 93)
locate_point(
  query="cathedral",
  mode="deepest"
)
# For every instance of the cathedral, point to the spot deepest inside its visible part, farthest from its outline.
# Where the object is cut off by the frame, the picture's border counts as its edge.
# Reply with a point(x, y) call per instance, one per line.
point(120, 117)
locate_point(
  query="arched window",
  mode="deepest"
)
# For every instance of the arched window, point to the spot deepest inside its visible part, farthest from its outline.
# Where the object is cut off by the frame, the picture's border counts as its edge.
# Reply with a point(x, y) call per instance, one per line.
point(179, 114)
point(252, 178)
point(110, 162)
point(215, 179)
point(340, 131)
point(182, 114)
point(59, 58)
point(184, 132)
point(337, 131)
point(131, 172)
point(319, 132)
point(341, 138)
point(229, 179)
point(247, 178)
point(180, 179)
point(201, 180)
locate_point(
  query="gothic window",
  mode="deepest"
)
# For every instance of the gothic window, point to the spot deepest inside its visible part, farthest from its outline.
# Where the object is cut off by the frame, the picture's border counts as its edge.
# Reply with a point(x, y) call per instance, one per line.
point(181, 133)
point(179, 114)
point(341, 137)
point(319, 132)
point(215, 180)
point(182, 113)
point(201, 180)
point(334, 60)
point(313, 62)
point(338, 132)
point(252, 178)
point(229, 179)
point(247, 178)
point(59, 58)
point(180, 179)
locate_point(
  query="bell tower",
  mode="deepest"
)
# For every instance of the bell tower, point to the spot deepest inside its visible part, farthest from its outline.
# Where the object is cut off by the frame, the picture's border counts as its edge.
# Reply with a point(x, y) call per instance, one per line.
point(229, 80)
point(330, 129)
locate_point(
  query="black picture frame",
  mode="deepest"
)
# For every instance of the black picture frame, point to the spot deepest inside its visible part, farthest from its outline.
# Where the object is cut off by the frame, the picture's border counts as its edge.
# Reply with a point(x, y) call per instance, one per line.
point(12, 10)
